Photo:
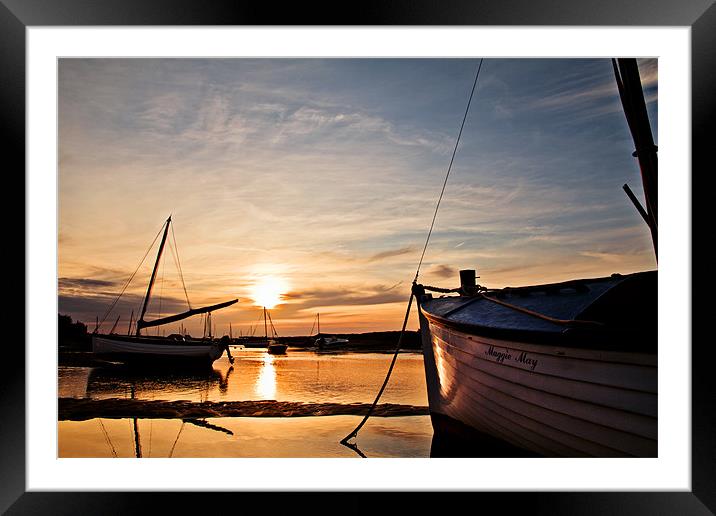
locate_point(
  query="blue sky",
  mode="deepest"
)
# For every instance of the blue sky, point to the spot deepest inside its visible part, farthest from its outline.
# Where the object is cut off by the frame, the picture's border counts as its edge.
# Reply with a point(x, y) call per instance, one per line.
point(325, 173)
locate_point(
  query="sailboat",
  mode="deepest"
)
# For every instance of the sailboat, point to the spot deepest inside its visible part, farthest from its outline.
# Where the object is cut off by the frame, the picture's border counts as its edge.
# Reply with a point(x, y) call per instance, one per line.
point(560, 369)
point(327, 341)
point(272, 346)
point(176, 350)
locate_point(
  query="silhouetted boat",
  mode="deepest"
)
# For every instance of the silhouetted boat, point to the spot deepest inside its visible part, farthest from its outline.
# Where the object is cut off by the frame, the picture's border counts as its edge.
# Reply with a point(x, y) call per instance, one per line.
point(276, 348)
point(159, 351)
point(273, 346)
point(563, 369)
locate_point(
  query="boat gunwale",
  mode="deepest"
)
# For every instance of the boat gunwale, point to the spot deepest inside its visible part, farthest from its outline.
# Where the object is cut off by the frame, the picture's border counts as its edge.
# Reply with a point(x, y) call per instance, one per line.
point(158, 341)
point(603, 340)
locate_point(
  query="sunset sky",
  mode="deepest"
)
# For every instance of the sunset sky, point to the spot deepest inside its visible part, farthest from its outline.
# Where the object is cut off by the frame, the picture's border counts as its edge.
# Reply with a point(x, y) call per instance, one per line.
point(320, 177)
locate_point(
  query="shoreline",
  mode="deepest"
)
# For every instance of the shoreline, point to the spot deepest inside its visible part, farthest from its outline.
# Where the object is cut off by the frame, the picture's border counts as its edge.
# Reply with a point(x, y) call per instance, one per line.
point(88, 359)
point(82, 409)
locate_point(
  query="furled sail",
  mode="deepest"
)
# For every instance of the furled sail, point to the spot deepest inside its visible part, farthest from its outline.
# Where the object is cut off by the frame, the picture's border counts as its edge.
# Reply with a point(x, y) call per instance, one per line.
point(183, 315)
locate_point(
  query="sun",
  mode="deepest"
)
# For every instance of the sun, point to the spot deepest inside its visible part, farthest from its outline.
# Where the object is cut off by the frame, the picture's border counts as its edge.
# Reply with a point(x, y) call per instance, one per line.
point(267, 292)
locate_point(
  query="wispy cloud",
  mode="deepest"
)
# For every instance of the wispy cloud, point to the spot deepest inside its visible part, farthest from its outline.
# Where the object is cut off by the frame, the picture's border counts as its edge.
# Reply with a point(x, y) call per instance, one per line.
point(390, 253)
point(326, 173)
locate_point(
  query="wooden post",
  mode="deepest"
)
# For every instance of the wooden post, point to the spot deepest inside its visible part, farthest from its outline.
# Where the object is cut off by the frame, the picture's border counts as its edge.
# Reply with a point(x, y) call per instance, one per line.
point(467, 281)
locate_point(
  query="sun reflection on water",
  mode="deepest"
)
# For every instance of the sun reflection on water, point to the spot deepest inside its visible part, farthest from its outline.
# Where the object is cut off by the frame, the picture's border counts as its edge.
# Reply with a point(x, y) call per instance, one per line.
point(266, 381)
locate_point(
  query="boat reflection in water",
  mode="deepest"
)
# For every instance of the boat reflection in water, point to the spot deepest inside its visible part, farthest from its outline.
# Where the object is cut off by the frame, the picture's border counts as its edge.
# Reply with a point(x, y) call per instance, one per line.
point(127, 382)
point(158, 430)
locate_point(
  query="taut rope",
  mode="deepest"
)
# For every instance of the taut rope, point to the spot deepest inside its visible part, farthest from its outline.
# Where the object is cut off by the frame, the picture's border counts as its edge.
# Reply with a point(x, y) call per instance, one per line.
point(354, 433)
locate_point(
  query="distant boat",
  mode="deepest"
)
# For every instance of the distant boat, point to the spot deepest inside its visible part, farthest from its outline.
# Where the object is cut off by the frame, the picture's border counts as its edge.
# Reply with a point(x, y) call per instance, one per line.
point(563, 369)
point(324, 342)
point(328, 342)
point(176, 350)
point(273, 346)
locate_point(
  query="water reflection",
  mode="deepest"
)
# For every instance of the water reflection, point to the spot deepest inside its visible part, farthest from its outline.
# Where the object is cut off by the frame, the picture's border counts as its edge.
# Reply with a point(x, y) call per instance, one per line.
point(118, 381)
point(305, 377)
point(302, 377)
point(266, 381)
point(299, 437)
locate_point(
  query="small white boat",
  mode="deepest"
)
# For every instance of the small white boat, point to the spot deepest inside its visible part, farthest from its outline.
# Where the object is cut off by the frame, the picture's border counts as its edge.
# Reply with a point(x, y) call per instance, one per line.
point(175, 350)
point(324, 342)
point(327, 342)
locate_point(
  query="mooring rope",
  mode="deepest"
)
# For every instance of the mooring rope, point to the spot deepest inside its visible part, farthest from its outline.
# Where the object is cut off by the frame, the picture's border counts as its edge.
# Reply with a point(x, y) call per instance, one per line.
point(447, 175)
point(477, 295)
point(355, 431)
point(554, 320)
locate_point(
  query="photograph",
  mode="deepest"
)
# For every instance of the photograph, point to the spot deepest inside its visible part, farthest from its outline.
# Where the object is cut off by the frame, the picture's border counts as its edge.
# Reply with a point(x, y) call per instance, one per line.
point(357, 257)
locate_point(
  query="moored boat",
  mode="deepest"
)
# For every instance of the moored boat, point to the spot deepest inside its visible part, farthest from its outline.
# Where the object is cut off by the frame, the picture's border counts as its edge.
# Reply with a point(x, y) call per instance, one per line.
point(157, 350)
point(176, 350)
point(329, 341)
point(561, 369)
point(324, 342)
point(273, 347)
point(276, 348)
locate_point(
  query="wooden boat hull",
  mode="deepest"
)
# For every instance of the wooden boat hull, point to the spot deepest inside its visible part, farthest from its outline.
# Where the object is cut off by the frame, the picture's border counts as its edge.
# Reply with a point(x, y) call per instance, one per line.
point(550, 400)
point(156, 351)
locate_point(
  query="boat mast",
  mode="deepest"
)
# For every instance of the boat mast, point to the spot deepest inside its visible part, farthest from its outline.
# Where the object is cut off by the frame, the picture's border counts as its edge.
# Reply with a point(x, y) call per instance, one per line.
point(319, 323)
point(631, 94)
point(137, 442)
point(265, 327)
point(140, 321)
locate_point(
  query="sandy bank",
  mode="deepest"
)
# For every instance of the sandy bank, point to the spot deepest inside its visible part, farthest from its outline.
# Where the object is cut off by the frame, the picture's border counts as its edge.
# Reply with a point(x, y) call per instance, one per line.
point(115, 408)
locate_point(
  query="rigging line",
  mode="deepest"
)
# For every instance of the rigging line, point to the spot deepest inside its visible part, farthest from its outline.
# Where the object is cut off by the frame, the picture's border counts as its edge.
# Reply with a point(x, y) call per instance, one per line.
point(176, 264)
point(132, 276)
point(256, 324)
point(312, 326)
point(181, 274)
point(457, 142)
point(161, 292)
point(107, 439)
point(273, 328)
point(354, 433)
point(171, 452)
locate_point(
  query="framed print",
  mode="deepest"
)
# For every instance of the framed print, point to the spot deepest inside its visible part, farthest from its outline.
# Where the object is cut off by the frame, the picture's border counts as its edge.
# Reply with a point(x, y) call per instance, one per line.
point(299, 196)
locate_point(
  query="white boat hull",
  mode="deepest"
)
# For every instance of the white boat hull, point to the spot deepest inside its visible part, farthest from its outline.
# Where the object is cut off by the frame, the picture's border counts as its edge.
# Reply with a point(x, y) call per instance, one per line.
point(549, 400)
point(136, 349)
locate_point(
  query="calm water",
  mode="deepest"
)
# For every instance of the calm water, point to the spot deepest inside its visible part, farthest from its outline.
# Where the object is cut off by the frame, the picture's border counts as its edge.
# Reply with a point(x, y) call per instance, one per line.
point(300, 376)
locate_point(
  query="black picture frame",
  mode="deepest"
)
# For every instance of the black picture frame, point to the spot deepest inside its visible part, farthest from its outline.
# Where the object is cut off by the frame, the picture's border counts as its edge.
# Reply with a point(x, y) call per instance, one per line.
point(17, 15)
